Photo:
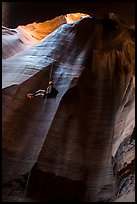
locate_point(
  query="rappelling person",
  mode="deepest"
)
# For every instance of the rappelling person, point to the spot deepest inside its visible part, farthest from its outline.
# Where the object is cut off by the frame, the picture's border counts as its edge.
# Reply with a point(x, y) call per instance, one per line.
point(50, 92)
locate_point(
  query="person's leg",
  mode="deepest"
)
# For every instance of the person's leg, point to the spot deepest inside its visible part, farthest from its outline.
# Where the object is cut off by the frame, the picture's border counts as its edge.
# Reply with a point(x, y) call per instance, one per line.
point(39, 94)
point(40, 91)
point(43, 91)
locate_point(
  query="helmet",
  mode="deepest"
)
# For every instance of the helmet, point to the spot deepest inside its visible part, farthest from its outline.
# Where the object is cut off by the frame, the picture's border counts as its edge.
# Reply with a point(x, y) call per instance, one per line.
point(50, 83)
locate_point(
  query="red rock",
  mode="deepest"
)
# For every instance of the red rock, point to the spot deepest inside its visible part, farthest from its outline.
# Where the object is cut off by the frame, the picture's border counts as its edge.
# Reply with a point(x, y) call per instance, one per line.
point(74, 136)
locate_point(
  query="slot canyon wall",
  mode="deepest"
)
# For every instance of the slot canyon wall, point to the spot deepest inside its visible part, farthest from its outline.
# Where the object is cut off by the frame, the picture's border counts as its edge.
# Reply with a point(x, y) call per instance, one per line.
point(79, 146)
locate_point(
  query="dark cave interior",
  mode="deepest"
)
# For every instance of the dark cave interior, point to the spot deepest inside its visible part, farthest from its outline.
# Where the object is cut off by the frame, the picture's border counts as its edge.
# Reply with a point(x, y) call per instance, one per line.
point(15, 14)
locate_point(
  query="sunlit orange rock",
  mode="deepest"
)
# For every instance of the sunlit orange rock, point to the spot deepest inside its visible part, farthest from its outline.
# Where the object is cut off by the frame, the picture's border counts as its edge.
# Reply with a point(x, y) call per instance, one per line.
point(22, 37)
point(80, 145)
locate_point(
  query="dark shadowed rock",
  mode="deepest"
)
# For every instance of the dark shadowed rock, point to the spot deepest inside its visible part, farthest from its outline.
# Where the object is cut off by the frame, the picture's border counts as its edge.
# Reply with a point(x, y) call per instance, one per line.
point(73, 145)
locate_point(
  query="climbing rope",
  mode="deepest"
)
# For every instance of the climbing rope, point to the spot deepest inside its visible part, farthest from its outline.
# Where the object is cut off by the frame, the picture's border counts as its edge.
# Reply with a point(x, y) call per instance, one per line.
point(51, 72)
point(28, 178)
point(26, 187)
point(50, 76)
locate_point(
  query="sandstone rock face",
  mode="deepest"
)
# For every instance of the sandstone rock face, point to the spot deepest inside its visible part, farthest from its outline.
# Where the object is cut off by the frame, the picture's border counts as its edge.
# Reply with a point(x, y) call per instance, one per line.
point(78, 146)
point(22, 37)
point(16, 40)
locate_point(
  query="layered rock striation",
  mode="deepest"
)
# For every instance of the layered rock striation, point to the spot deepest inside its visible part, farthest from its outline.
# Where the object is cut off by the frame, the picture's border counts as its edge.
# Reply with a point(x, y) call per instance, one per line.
point(78, 146)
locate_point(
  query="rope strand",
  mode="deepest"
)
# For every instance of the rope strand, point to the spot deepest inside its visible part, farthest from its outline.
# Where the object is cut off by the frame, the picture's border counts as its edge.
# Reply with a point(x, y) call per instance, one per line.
point(26, 187)
point(27, 182)
point(51, 72)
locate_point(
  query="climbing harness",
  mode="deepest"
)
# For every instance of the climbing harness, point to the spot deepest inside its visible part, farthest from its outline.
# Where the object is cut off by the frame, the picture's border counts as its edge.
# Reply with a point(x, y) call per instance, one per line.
point(50, 76)
point(28, 178)
point(47, 91)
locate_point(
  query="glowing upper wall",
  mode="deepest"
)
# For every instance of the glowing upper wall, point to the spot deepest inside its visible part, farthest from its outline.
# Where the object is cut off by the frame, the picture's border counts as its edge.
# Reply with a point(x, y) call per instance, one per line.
point(22, 37)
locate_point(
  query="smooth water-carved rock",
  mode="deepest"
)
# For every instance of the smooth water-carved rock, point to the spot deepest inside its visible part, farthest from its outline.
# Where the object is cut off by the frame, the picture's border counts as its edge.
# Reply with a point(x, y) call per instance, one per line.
point(22, 37)
point(70, 140)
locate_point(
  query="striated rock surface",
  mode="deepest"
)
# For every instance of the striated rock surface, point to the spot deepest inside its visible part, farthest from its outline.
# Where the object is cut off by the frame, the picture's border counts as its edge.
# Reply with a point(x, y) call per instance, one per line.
point(80, 145)
point(22, 37)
